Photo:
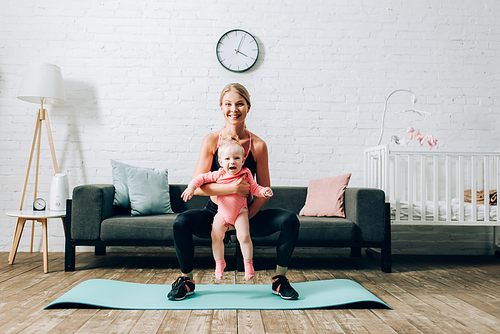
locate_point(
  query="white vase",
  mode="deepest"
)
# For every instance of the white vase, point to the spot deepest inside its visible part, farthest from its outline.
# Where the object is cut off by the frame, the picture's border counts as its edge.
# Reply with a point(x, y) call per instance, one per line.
point(59, 192)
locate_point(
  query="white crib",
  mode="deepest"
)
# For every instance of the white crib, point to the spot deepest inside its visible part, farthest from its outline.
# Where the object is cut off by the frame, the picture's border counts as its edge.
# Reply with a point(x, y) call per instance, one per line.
point(427, 187)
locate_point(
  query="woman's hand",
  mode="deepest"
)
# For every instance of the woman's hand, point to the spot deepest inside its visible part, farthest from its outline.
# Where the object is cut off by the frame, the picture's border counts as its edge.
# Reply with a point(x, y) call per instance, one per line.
point(242, 187)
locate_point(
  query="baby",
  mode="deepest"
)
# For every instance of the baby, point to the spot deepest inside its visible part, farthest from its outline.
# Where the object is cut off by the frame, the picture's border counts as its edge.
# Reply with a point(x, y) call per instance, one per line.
point(232, 209)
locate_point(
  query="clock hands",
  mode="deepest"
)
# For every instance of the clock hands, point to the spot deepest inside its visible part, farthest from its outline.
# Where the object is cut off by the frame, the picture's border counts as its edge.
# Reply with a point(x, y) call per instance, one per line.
point(239, 45)
point(241, 40)
point(238, 51)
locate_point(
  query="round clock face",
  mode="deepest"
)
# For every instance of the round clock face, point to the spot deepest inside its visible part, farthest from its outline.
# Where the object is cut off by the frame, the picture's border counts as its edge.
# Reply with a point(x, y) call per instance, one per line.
point(237, 50)
point(39, 204)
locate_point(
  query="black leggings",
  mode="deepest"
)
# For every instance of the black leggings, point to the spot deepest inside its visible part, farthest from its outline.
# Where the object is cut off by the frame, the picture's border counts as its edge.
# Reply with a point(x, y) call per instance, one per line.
point(264, 223)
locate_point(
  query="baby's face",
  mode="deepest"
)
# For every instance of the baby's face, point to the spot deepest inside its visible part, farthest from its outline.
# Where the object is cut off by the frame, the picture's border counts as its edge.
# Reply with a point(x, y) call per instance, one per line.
point(232, 160)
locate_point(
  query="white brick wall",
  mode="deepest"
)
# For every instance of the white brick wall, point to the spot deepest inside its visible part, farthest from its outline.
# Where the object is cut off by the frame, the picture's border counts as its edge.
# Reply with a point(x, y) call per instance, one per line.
point(142, 84)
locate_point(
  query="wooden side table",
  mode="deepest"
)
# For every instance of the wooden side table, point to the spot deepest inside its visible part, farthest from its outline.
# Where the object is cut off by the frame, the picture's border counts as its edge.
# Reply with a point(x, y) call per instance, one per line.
point(40, 216)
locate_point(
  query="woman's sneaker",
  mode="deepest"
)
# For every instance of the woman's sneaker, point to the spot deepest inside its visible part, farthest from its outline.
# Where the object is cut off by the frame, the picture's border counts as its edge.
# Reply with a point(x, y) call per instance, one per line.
point(181, 288)
point(282, 288)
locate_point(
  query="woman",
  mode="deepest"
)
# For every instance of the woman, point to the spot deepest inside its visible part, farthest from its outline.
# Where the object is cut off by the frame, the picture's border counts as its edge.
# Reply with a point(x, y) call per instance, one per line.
point(235, 106)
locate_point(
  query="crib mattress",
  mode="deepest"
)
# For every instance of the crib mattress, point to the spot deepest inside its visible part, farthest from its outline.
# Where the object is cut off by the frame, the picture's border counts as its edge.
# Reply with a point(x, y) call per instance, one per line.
point(455, 208)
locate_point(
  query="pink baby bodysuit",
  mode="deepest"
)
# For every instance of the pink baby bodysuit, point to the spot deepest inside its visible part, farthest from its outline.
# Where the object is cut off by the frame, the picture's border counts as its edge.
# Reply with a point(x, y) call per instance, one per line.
point(230, 205)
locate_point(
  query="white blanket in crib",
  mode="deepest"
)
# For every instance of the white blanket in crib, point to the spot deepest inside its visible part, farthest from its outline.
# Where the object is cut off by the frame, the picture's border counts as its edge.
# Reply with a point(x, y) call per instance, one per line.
point(455, 208)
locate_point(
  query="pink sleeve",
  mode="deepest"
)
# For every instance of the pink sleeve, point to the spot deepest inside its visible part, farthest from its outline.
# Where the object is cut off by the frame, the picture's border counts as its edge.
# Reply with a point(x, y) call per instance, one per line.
point(205, 178)
point(255, 189)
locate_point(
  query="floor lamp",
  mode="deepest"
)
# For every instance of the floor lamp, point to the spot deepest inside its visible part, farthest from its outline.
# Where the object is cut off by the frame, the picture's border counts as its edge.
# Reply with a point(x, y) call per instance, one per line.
point(42, 83)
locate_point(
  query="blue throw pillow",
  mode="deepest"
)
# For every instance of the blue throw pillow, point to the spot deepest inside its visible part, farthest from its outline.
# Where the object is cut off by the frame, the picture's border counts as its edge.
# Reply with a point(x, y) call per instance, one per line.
point(119, 175)
point(148, 191)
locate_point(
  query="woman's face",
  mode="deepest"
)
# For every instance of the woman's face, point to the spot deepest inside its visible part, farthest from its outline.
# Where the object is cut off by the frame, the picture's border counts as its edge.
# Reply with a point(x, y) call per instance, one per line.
point(234, 108)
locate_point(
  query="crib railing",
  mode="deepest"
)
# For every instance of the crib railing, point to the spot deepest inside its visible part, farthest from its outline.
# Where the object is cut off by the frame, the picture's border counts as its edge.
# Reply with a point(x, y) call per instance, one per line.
point(417, 177)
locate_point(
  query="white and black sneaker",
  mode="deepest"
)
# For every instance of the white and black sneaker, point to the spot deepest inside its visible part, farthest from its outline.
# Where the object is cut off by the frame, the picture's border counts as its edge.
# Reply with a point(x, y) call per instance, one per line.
point(282, 288)
point(181, 288)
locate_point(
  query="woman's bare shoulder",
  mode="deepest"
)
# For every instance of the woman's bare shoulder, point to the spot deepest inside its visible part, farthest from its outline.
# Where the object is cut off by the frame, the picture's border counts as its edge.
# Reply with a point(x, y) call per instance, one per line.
point(259, 146)
point(213, 136)
point(210, 141)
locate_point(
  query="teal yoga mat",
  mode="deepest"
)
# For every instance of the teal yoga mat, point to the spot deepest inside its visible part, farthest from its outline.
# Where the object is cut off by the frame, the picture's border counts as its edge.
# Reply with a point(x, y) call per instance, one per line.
point(101, 293)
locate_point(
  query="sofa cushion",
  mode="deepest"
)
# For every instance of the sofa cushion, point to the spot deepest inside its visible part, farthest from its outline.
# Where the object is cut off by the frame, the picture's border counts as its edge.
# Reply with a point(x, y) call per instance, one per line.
point(316, 231)
point(148, 191)
point(119, 176)
point(152, 227)
point(288, 198)
point(325, 197)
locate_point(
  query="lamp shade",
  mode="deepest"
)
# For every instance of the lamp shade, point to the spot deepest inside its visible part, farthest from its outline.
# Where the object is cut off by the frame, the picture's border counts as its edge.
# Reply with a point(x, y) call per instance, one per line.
point(42, 82)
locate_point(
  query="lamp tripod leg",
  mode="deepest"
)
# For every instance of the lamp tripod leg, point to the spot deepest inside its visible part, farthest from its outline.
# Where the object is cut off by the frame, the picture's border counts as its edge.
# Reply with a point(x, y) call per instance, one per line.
point(51, 143)
point(36, 176)
point(30, 159)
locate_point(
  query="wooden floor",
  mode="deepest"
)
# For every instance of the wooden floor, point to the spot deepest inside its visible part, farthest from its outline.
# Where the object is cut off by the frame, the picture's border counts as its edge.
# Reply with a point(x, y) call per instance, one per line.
point(428, 294)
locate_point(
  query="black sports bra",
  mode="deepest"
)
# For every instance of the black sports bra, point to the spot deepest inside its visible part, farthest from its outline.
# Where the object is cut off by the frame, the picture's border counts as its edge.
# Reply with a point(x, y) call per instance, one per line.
point(249, 159)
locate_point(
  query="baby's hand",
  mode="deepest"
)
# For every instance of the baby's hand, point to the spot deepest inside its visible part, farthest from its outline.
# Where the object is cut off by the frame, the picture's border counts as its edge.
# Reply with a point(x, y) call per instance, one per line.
point(188, 193)
point(268, 192)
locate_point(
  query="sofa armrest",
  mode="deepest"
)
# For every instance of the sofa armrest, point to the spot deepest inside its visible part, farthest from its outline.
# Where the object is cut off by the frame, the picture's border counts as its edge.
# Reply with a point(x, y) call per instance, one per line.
point(366, 208)
point(90, 206)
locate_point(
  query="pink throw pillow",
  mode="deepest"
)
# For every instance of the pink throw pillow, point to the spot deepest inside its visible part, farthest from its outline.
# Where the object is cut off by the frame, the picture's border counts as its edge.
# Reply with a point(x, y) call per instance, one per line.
point(325, 197)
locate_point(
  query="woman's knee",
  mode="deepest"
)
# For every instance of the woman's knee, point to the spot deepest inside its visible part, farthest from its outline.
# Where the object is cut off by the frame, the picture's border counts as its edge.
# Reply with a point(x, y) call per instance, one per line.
point(288, 220)
point(180, 224)
point(184, 222)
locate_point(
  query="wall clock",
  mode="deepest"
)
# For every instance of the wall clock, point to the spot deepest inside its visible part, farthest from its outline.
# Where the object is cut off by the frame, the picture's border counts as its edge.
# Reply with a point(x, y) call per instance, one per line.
point(237, 50)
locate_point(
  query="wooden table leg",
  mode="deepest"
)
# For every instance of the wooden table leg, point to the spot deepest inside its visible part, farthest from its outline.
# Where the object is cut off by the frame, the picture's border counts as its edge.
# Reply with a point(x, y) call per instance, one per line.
point(17, 238)
point(32, 236)
point(45, 245)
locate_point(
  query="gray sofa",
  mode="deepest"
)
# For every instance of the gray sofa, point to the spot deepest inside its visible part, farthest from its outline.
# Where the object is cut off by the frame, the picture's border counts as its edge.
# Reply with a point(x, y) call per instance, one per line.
point(92, 220)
